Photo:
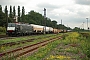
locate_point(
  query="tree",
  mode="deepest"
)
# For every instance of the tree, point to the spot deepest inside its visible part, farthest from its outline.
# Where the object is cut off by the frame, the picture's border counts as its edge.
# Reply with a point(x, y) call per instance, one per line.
point(14, 12)
point(6, 11)
point(18, 13)
point(76, 29)
point(0, 8)
point(2, 17)
point(6, 16)
point(48, 22)
point(23, 14)
point(37, 17)
point(10, 15)
point(54, 23)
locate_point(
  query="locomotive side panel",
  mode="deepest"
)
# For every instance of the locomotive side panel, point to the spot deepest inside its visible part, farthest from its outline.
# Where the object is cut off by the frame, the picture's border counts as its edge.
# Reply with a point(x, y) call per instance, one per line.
point(25, 29)
point(18, 29)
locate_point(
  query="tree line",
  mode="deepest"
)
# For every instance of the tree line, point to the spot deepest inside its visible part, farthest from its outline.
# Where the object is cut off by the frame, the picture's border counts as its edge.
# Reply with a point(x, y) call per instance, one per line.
point(31, 17)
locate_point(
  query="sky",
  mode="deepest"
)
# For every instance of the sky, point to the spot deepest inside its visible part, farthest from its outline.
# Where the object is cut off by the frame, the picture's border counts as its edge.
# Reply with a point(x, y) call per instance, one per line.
point(73, 13)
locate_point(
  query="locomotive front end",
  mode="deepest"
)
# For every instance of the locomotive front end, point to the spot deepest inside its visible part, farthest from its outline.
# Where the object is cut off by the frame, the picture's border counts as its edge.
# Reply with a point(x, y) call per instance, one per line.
point(11, 29)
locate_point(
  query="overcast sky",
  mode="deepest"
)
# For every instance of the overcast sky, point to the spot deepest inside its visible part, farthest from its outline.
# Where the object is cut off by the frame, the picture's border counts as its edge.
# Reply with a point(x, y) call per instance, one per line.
point(72, 12)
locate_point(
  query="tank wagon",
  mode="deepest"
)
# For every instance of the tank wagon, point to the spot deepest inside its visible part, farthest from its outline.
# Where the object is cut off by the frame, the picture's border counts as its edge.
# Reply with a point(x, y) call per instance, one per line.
point(37, 28)
point(27, 29)
point(55, 31)
point(50, 30)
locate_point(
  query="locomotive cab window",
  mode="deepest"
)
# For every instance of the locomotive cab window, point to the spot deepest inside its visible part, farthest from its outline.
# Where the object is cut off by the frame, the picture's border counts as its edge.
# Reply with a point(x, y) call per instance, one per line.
point(11, 25)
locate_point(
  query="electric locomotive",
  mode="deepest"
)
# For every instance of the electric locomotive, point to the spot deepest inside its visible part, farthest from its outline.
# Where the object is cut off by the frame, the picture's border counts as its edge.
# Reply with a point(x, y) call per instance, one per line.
point(18, 29)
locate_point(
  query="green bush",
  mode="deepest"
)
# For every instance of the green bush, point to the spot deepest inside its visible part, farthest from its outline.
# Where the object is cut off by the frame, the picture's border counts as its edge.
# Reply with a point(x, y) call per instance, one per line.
point(2, 29)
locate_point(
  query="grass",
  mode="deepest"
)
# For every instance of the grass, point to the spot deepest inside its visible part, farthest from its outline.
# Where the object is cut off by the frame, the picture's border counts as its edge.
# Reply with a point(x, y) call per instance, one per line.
point(41, 38)
point(58, 57)
point(35, 41)
point(21, 39)
point(72, 50)
point(74, 44)
point(79, 44)
point(1, 33)
point(43, 51)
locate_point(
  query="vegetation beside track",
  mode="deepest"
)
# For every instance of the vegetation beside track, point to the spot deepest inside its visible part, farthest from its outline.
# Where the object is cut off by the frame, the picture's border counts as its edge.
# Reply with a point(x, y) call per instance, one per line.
point(2, 30)
point(73, 47)
point(16, 40)
point(51, 38)
point(43, 51)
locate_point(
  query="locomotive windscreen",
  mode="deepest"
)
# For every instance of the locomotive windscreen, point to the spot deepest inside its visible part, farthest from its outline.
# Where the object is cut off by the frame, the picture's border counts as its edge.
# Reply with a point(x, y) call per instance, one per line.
point(11, 24)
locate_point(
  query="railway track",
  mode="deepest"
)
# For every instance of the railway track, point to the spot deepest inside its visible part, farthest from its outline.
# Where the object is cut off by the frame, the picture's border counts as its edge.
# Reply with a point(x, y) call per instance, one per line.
point(19, 52)
point(18, 42)
point(3, 36)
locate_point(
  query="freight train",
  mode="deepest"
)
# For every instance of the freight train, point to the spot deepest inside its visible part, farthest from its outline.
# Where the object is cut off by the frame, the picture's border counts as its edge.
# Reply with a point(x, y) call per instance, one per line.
point(28, 29)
